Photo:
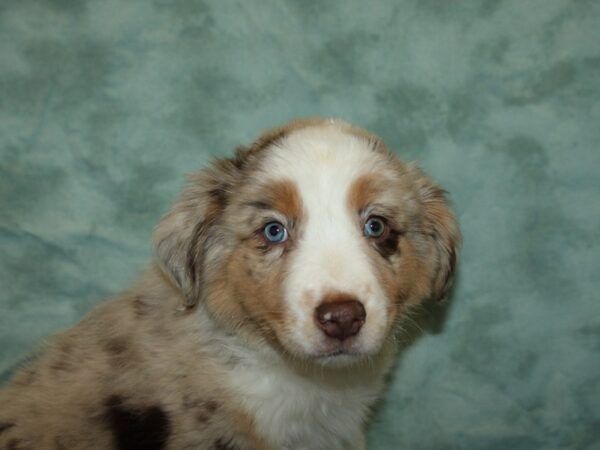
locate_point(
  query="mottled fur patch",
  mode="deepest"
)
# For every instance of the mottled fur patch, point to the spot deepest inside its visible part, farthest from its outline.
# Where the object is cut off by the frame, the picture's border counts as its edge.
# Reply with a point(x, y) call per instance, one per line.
point(141, 309)
point(116, 346)
point(202, 409)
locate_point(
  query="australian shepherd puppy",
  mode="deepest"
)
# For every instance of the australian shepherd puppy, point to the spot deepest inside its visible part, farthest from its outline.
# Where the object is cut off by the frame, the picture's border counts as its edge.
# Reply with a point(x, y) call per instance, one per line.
point(266, 320)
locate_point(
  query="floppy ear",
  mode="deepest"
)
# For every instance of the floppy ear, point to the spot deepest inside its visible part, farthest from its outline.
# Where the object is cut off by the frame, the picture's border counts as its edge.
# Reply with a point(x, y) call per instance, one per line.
point(184, 236)
point(441, 227)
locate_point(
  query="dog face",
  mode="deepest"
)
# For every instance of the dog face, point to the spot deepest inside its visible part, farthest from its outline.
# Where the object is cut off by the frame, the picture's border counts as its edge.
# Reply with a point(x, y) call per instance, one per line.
point(314, 239)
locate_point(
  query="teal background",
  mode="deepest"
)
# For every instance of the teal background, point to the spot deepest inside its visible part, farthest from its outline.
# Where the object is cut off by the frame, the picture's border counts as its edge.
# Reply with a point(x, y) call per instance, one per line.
point(105, 105)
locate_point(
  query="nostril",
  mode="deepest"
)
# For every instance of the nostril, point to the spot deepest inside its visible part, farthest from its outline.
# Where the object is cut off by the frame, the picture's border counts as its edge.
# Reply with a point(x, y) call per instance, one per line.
point(340, 319)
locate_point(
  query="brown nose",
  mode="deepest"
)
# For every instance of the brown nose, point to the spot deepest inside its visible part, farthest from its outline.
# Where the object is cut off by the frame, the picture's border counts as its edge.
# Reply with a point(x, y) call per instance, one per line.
point(340, 319)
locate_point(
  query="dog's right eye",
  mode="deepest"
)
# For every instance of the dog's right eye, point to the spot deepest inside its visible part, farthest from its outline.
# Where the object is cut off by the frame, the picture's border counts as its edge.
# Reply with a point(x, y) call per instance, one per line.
point(275, 232)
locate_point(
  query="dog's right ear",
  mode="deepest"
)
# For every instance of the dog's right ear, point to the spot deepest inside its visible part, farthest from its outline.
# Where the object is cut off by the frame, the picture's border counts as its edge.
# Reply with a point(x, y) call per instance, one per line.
point(182, 237)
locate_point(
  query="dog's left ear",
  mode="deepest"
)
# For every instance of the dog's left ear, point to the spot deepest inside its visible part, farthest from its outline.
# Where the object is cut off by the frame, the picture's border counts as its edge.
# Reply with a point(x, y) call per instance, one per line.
point(441, 226)
point(188, 234)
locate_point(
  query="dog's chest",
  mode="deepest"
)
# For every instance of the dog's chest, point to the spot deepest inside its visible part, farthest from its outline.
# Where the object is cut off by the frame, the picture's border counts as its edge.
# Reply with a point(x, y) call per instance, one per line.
point(295, 413)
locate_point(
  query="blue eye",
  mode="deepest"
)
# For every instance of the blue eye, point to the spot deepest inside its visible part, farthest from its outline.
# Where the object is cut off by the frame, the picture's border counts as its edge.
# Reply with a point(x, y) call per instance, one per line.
point(374, 227)
point(275, 232)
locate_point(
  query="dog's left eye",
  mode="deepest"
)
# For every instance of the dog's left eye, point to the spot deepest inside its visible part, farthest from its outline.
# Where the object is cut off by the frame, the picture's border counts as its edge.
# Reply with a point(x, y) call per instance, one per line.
point(374, 227)
point(275, 232)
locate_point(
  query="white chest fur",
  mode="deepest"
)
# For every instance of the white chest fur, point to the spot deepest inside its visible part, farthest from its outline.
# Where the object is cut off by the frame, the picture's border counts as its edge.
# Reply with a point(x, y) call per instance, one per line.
point(304, 412)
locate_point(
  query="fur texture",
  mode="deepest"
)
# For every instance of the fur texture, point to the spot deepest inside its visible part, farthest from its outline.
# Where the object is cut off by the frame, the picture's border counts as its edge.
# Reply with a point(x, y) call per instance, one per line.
point(217, 346)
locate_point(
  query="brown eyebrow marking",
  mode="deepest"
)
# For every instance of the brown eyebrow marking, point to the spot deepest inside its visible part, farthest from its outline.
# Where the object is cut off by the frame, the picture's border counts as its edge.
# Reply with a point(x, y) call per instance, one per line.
point(363, 191)
point(282, 196)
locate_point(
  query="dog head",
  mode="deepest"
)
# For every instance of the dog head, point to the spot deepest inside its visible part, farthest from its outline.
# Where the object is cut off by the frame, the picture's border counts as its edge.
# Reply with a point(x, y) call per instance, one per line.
point(314, 239)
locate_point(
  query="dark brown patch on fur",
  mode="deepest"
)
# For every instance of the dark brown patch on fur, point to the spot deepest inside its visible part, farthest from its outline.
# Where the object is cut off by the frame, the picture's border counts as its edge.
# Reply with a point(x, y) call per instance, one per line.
point(15, 444)
point(137, 429)
point(63, 361)
point(225, 444)
point(140, 308)
point(58, 445)
point(61, 365)
point(116, 346)
point(5, 426)
point(219, 197)
point(65, 347)
point(191, 402)
point(211, 406)
point(202, 417)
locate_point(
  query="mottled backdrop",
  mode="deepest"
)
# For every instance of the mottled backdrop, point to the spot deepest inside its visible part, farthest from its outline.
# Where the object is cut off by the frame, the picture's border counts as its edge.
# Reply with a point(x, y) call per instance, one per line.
point(105, 105)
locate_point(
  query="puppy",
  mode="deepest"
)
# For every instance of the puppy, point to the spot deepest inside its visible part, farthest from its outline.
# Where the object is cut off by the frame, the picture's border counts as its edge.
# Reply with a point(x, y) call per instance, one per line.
point(267, 318)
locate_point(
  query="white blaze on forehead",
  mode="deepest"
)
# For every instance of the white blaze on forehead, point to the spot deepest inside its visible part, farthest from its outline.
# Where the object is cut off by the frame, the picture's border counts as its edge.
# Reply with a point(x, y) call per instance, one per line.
point(324, 161)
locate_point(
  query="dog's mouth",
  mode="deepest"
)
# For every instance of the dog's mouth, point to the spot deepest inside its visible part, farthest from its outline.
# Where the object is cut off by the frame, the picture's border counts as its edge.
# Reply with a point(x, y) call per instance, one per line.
point(346, 350)
point(338, 358)
point(335, 354)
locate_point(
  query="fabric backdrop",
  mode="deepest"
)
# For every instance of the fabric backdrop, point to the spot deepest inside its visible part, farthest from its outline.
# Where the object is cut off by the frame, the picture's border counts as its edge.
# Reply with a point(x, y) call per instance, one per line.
point(105, 105)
